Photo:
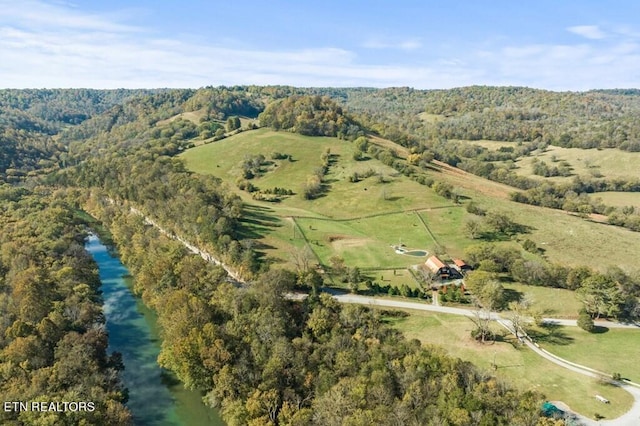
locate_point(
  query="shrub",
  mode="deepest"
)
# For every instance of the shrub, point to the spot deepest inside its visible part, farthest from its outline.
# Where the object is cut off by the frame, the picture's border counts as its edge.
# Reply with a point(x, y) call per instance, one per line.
point(585, 321)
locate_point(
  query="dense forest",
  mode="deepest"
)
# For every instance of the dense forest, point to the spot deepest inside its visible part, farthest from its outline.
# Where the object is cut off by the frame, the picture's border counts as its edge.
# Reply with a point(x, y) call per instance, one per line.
point(260, 358)
point(53, 345)
point(311, 116)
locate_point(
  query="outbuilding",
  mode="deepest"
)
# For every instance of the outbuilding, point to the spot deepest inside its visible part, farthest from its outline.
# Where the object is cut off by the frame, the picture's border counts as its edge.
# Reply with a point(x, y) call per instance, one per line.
point(462, 265)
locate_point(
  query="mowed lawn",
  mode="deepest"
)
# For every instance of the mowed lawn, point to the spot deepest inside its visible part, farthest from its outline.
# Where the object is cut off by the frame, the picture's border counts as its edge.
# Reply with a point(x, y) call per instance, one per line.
point(611, 351)
point(553, 302)
point(519, 366)
point(609, 163)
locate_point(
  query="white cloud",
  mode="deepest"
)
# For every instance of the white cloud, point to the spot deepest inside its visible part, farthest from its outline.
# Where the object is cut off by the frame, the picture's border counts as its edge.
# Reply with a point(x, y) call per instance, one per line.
point(592, 32)
point(376, 43)
point(73, 49)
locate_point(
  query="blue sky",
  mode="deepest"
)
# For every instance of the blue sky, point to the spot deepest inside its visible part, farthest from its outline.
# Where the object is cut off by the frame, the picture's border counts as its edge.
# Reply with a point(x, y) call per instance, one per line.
point(557, 45)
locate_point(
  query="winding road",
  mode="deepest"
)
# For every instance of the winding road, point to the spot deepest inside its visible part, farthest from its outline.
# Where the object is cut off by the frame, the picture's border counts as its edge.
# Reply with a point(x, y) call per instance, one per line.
point(631, 418)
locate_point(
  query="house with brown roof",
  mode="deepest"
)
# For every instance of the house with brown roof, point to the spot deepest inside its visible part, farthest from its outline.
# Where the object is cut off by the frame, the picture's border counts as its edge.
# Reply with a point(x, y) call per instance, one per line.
point(438, 267)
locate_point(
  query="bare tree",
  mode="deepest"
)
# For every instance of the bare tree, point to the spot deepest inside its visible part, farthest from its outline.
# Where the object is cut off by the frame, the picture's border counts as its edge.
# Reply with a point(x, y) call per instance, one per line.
point(517, 316)
point(301, 258)
point(482, 319)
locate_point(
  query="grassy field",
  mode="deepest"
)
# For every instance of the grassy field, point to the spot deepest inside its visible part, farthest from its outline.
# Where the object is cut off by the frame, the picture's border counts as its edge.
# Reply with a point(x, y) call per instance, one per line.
point(362, 221)
point(610, 163)
point(556, 302)
point(193, 116)
point(343, 221)
point(368, 241)
point(610, 351)
point(515, 364)
point(447, 228)
point(396, 277)
point(618, 199)
point(563, 238)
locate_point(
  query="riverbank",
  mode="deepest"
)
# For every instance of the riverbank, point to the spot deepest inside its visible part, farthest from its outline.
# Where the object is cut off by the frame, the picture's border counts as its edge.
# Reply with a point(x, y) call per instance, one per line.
point(156, 397)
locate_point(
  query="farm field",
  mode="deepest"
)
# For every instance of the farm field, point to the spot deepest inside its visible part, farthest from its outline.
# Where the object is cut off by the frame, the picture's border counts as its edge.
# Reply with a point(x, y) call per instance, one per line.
point(609, 163)
point(367, 242)
point(519, 366)
point(561, 236)
point(344, 199)
point(359, 221)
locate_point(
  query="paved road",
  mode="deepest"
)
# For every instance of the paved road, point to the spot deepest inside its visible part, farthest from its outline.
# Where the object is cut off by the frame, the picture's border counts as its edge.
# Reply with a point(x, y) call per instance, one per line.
point(631, 418)
point(389, 303)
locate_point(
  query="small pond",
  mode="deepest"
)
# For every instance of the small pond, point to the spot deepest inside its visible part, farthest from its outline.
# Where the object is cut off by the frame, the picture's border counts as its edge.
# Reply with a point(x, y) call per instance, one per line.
point(417, 253)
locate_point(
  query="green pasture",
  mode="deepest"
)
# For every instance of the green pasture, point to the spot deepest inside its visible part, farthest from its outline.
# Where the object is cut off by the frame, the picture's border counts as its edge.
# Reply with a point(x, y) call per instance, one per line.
point(618, 199)
point(396, 277)
point(362, 240)
point(609, 350)
point(553, 302)
point(517, 365)
point(367, 242)
point(342, 199)
point(447, 227)
point(568, 239)
point(609, 163)
point(563, 238)
point(224, 158)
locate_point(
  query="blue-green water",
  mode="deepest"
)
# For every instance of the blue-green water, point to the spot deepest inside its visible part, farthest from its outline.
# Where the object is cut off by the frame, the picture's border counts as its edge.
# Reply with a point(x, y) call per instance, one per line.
point(155, 396)
point(419, 253)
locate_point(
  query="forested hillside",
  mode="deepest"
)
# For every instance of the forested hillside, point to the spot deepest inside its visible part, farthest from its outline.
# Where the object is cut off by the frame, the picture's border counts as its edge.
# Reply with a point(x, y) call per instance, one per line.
point(583, 120)
point(311, 116)
point(53, 346)
point(259, 357)
point(31, 120)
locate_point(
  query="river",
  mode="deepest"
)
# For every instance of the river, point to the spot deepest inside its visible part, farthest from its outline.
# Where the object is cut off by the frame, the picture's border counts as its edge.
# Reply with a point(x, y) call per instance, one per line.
point(156, 397)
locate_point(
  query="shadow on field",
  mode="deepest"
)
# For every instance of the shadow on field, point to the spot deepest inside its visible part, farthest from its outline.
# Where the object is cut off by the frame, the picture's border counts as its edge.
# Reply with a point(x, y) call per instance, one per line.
point(598, 329)
point(256, 222)
point(511, 295)
point(393, 198)
point(551, 333)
